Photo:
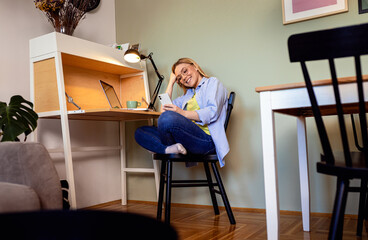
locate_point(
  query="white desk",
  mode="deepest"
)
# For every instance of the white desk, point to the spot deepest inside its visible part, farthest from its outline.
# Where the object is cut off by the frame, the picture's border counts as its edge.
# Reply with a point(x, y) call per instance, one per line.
point(292, 99)
point(61, 64)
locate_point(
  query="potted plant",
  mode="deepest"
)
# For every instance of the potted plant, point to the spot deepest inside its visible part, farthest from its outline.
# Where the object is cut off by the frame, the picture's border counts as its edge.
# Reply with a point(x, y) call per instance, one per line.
point(16, 118)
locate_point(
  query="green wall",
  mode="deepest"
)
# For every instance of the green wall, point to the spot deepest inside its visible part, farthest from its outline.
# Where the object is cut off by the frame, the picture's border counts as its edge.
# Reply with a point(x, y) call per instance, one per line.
point(244, 44)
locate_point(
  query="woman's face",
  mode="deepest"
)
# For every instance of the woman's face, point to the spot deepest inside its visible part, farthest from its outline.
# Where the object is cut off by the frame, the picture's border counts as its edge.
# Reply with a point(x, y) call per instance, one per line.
point(187, 75)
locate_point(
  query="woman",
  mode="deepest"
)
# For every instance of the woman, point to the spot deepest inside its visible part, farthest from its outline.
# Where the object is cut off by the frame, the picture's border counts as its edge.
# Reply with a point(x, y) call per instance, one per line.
point(195, 121)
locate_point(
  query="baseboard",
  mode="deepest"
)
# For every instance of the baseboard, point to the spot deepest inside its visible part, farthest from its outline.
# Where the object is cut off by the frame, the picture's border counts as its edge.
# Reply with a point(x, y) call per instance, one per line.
point(239, 209)
point(101, 205)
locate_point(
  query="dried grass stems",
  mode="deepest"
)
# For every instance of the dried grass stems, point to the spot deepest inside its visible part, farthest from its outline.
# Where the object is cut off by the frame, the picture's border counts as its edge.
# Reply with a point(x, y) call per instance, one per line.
point(72, 12)
point(64, 15)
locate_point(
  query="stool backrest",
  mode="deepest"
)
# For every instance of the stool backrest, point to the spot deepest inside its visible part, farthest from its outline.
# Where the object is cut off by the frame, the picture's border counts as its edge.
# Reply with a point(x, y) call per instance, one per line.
point(230, 105)
point(351, 41)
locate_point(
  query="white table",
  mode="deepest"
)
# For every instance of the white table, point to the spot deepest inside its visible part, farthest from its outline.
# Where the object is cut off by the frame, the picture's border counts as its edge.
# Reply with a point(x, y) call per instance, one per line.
point(293, 100)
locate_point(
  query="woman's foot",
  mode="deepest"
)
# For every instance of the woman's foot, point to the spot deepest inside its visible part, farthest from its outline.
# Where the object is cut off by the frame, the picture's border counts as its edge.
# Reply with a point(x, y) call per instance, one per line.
point(176, 148)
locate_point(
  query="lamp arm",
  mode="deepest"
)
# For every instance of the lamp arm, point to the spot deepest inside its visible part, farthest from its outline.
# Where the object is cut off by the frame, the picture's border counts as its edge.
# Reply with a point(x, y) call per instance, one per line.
point(154, 65)
point(155, 94)
point(160, 79)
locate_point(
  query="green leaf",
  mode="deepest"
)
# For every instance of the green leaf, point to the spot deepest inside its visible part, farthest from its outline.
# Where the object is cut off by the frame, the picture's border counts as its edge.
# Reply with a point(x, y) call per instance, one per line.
point(16, 118)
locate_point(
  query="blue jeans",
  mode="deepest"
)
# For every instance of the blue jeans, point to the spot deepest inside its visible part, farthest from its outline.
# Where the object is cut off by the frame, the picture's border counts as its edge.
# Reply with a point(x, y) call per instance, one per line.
point(174, 128)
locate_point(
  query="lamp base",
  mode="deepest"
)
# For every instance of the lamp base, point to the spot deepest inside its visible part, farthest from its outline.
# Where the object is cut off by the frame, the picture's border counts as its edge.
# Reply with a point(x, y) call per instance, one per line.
point(151, 107)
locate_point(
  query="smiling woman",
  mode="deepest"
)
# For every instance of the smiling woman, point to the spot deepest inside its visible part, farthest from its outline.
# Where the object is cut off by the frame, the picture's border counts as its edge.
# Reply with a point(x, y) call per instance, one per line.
point(194, 123)
point(184, 67)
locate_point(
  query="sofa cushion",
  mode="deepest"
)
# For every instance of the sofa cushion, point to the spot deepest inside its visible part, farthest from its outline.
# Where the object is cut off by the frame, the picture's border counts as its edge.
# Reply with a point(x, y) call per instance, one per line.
point(30, 164)
point(18, 198)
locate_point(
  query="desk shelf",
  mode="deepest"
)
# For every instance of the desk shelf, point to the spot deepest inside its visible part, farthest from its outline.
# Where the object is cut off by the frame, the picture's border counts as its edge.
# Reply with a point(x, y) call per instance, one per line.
point(62, 64)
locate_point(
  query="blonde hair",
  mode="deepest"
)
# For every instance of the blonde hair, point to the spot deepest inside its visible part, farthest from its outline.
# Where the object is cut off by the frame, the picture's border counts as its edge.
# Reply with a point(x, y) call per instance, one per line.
point(188, 61)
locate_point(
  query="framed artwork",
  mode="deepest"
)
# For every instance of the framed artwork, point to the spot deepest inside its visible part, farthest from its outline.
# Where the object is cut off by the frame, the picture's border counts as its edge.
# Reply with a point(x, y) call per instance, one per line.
point(301, 10)
point(363, 6)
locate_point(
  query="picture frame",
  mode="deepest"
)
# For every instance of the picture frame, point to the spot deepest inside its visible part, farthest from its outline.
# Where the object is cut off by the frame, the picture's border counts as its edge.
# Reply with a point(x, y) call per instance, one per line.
point(363, 6)
point(301, 10)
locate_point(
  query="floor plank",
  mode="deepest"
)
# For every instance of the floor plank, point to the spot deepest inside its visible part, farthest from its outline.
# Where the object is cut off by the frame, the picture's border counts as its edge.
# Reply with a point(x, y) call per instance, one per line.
point(200, 223)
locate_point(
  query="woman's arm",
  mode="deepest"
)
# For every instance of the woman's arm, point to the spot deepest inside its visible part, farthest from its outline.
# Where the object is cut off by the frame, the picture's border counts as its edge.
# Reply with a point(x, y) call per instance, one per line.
point(169, 88)
point(212, 101)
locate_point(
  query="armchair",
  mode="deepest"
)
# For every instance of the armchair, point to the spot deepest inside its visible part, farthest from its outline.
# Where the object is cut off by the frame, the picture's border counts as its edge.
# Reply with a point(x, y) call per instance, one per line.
point(28, 178)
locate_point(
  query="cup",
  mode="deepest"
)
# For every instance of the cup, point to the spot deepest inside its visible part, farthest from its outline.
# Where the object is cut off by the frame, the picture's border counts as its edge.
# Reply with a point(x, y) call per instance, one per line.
point(133, 104)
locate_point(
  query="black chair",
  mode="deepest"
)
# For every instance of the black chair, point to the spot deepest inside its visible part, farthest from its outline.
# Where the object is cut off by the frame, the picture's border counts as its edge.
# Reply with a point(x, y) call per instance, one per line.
point(351, 41)
point(167, 161)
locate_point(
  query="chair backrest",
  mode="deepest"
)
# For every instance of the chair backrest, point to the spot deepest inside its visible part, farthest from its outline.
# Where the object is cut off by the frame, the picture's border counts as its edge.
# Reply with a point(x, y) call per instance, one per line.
point(230, 105)
point(351, 41)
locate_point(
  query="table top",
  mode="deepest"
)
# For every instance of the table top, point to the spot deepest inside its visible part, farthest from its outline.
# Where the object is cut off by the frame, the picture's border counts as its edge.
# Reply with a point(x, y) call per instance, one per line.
point(302, 84)
point(294, 102)
point(108, 114)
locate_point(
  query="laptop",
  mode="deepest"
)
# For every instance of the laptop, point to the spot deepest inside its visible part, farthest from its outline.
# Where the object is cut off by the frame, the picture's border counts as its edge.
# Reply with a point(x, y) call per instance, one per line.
point(113, 99)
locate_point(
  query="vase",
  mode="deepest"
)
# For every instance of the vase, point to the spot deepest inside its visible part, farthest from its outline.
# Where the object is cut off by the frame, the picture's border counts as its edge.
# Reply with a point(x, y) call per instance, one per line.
point(62, 27)
point(66, 29)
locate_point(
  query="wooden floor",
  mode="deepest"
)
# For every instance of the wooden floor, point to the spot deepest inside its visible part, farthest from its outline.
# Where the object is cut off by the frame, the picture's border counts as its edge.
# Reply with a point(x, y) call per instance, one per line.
point(199, 222)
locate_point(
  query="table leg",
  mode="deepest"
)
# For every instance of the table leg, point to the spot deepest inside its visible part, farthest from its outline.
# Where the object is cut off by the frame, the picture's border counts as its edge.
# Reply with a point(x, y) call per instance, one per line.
point(303, 172)
point(123, 163)
point(156, 169)
point(269, 166)
point(65, 131)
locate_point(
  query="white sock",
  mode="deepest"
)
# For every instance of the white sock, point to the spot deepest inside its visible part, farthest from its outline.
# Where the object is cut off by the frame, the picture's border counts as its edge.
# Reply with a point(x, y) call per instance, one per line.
point(176, 148)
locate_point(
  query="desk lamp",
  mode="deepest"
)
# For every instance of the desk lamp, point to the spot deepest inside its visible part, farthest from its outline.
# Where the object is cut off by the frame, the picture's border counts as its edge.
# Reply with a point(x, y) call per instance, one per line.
point(133, 56)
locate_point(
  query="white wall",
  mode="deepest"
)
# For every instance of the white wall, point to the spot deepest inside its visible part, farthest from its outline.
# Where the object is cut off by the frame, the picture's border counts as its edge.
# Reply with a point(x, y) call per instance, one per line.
point(97, 174)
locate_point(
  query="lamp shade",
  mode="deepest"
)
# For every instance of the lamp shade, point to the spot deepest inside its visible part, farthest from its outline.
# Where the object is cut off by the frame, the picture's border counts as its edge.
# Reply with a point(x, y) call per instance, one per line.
point(132, 56)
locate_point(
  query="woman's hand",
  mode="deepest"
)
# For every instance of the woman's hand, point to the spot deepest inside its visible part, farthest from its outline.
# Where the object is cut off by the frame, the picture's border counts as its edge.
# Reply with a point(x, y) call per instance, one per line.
point(172, 79)
point(192, 115)
point(172, 107)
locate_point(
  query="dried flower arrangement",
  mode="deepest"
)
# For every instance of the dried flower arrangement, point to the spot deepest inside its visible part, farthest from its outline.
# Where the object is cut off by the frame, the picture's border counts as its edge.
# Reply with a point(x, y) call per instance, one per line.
point(64, 15)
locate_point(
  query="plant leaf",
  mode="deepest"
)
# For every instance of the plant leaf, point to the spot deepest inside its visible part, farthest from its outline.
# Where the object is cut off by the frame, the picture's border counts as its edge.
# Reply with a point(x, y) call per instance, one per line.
point(16, 118)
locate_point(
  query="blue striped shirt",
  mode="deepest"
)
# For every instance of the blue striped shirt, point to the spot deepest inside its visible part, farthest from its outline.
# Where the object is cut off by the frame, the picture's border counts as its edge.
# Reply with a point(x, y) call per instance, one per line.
point(211, 96)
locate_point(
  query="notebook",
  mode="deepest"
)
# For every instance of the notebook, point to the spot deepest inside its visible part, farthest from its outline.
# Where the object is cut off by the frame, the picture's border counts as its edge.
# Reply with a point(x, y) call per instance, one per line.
point(113, 99)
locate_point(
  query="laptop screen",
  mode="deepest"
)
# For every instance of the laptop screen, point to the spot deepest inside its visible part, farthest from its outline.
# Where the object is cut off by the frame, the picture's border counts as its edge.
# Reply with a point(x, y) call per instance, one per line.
point(111, 96)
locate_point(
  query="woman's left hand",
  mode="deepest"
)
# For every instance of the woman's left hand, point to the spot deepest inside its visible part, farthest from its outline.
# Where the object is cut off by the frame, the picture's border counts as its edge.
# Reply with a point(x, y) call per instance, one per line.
point(192, 115)
point(174, 108)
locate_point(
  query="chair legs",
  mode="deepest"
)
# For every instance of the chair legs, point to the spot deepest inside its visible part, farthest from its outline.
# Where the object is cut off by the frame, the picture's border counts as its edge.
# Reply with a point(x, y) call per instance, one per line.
point(223, 194)
point(168, 192)
point(362, 206)
point(211, 188)
point(161, 190)
point(166, 178)
point(337, 221)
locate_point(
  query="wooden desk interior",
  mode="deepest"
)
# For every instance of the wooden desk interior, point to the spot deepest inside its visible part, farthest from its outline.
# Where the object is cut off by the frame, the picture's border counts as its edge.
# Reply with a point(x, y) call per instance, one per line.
point(81, 78)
